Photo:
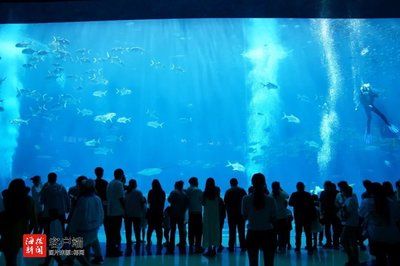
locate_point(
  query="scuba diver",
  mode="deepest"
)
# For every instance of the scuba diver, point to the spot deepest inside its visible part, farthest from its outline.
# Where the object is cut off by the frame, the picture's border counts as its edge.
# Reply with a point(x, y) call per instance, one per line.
point(366, 98)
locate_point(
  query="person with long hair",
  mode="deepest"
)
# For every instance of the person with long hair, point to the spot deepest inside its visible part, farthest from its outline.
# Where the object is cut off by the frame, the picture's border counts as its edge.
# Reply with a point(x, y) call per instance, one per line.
point(156, 202)
point(260, 211)
point(211, 226)
point(17, 219)
point(382, 218)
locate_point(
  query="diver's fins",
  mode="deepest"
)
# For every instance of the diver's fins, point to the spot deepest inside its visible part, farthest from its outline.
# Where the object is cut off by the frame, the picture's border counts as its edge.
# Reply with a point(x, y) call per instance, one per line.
point(393, 129)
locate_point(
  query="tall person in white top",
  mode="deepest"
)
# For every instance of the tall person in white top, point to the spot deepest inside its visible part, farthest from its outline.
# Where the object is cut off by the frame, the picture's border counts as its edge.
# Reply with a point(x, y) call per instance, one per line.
point(115, 212)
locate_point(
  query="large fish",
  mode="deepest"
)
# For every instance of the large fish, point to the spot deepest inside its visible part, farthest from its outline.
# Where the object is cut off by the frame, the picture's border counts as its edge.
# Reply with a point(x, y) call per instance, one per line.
point(92, 142)
point(84, 112)
point(236, 166)
point(150, 171)
point(105, 118)
point(19, 121)
point(28, 51)
point(124, 120)
point(124, 91)
point(155, 124)
point(100, 93)
point(291, 118)
point(102, 151)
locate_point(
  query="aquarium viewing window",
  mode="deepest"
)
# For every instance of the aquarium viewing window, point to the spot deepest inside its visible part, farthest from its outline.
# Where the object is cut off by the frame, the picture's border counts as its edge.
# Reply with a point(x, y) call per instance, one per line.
point(201, 97)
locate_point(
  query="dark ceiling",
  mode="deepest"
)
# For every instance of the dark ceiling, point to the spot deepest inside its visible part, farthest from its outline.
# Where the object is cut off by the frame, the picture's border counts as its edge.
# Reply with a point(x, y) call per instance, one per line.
point(18, 11)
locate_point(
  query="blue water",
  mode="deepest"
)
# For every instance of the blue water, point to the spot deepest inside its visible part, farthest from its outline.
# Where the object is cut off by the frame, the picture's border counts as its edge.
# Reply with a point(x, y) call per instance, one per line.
point(215, 91)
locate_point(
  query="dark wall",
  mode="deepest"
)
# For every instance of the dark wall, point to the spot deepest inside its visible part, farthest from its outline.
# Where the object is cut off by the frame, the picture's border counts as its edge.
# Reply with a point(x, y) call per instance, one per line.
point(77, 10)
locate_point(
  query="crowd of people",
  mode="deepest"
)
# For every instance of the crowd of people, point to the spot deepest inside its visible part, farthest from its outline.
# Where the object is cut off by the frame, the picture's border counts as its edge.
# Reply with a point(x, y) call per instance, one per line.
point(335, 215)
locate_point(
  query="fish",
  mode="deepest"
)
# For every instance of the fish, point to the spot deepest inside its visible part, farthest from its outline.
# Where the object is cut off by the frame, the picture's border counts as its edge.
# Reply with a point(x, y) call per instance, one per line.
point(37, 147)
point(123, 91)
point(23, 44)
point(28, 51)
point(177, 68)
point(317, 190)
point(184, 162)
point(102, 151)
point(155, 64)
point(364, 51)
point(100, 93)
point(1, 109)
point(236, 166)
point(92, 142)
point(61, 41)
point(269, 86)
point(42, 52)
point(155, 124)
point(45, 157)
point(186, 119)
point(291, 118)
point(136, 49)
point(183, 140)
point(312, 144)
point(113, 138)
point(260, 114)
point(2, 80)
point(303, 98)
point(387, 163)
point(124, 120)
point(19, 121)
point(29, 66)
point(152, 114)
point(150, 171)
point(105, 118)
point(84, 112)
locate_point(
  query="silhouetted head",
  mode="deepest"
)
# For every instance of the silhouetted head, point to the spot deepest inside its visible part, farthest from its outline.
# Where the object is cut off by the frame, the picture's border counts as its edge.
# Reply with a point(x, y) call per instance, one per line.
point(179, 185)
point(365, 88)
point(17, 188)
point(194, 182)
point(15, 199)
point(133, 184)
point(52, 178)
point(79, 180)
point(36, 180)
point(327, 185)
point(300, 186)
point(155, 185)
point(234, 182)
point(210, 191)
point(99, 172)
point(367, 185)
point(343, 185)
point(259, 185)
point(276, 186)
point(119, 174)
point(388, 189)
point(87, 187)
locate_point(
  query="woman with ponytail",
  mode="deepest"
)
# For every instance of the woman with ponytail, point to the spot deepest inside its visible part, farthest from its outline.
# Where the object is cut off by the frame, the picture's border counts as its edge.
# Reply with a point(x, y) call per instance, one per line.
point(260, 211)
